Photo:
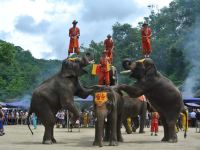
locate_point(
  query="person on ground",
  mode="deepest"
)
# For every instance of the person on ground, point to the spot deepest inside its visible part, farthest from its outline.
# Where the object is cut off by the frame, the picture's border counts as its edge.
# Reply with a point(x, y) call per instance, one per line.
point(154, 123)
point(1, 122)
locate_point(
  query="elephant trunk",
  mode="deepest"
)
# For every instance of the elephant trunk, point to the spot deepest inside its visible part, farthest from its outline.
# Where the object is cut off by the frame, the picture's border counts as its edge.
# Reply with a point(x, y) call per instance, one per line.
point(101, 114)
point(126, 63)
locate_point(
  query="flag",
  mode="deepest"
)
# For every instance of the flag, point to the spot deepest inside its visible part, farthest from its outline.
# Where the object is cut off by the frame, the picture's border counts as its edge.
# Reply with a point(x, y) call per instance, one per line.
point(95, 69)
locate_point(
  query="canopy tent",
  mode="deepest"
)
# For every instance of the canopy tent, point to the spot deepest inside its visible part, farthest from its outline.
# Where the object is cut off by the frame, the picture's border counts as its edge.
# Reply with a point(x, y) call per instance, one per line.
point(19, 104)
point(3, 104)
point(192, 102)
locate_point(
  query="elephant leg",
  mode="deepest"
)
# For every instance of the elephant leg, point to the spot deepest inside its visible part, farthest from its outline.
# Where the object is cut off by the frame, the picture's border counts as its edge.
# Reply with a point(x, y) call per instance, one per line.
point(113, 133)
point(48, 120)
point(100, 132)
point(166, 136)
point(125, 123)
point(119, 124)
point(172, 132)
point(143, 117)
point(95, 143)
point(52, 136)
point(67, 102)
point(71, 107)
point(136, 123)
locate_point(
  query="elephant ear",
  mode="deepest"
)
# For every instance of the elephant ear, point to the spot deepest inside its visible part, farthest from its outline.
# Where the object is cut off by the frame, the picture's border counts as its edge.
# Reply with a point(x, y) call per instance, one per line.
point(150, 69)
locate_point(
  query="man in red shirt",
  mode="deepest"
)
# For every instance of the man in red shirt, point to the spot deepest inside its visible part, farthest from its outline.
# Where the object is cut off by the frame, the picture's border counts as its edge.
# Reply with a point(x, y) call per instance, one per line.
point(109, 46)
point(104, 76)
point(74, 34)
point(146, 37)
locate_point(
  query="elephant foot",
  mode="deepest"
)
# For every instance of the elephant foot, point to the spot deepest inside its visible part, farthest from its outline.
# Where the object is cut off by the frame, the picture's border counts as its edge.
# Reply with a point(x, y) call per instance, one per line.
point(113, 143)
point(164, 139)
point(120, 139)
point(128, 131)
point(134, 130)
point(96, 143)
point(173, 140)
point(47, 142)
point(54, 140)
point(141, 132)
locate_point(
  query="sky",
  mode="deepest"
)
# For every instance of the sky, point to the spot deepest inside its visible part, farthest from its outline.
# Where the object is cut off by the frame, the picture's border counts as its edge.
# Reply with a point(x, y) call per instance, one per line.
point(41, 26)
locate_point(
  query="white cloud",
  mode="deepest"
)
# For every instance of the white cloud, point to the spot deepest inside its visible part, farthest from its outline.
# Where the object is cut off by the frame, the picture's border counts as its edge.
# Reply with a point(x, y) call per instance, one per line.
point(53, 18)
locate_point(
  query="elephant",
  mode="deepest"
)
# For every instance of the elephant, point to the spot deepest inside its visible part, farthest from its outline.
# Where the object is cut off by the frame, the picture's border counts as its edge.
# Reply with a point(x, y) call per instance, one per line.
point(159, 90)
point(57, 93)
point(132, 108)
point(108, 113)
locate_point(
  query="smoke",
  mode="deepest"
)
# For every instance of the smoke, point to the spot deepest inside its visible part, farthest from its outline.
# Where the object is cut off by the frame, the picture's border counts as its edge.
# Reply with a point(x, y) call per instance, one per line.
point(192, 54)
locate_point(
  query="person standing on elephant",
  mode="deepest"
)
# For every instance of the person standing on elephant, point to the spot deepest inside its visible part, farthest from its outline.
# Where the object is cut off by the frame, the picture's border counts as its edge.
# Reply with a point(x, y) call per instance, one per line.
point(1, 122)
point(104, 76)
point(154, 123)
point(109, 46)
point(146, 40)
point(74, 34)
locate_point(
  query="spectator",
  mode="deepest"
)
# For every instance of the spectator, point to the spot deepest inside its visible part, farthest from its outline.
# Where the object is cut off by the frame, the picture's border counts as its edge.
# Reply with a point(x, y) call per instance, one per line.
point(154, 123)
point(193, 118)
point(147, 123)
point(198, 119)
point(1, 122)
point(34, 120)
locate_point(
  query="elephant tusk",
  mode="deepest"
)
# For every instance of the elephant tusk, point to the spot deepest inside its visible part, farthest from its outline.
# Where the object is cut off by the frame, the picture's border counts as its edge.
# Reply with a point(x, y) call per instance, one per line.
point(91, 62)
point(125, 72)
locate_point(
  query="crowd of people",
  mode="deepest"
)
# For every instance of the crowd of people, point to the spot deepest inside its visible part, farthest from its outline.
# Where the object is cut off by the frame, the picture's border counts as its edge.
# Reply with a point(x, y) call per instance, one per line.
point(63, 119)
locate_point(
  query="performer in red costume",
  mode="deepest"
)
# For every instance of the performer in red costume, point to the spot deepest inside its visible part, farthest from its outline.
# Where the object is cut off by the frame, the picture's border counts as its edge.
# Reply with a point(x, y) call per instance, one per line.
point(109, 46)
point(74, 34)
point(104, 76)
point(146, 40)
point(154, 123)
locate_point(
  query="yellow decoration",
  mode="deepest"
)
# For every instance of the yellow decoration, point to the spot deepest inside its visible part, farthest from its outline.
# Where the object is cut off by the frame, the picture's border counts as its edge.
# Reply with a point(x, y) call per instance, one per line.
point(94, 69)
point(71, 59)
point(100, 98)
point(129, 122)
point(141, 60)
point(108, 67)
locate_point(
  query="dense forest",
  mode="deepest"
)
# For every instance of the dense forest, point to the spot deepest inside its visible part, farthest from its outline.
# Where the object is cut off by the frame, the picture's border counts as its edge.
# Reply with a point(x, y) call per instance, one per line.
point(175, 42)
point(20, 73)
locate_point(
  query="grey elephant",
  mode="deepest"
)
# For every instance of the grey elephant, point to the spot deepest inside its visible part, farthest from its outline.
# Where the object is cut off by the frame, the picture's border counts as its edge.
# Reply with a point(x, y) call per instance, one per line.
point(58, 93)
point(160, 91)
point(132, 108)
point(107, 113)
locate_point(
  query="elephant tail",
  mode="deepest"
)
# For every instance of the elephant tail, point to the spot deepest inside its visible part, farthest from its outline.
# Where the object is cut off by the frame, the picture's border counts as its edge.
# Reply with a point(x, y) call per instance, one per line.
point(185, 112)
point(28, 119)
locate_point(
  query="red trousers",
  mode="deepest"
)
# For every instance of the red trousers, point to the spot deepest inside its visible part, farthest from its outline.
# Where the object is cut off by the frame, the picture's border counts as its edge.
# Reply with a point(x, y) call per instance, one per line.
point(104, 78)
point(109, 55)
point(154, 126)
point(146, 47)
point(73, 45)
